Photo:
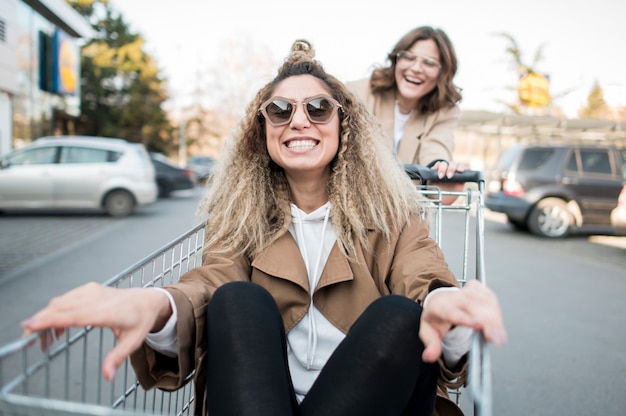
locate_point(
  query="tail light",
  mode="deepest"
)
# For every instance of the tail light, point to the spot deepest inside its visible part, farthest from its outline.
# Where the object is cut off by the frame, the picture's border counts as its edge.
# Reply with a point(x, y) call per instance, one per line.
point(621, 201)
point(189, 173)
point(511, 187)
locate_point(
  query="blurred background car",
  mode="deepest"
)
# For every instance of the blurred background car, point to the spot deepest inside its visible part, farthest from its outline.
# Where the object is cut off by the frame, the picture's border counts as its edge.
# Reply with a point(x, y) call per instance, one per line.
point(202, 166)
point(78, 172)
point(618, 215)
point(169, 177)
point(556, 190)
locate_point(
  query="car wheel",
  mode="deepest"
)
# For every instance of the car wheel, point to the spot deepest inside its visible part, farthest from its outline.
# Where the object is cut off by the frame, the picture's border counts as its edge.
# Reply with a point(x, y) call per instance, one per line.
point(550, 218)
point(119, 203)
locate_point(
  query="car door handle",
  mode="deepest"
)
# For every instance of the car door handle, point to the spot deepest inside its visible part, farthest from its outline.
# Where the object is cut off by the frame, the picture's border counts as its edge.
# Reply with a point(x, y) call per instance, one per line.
point(569, 180)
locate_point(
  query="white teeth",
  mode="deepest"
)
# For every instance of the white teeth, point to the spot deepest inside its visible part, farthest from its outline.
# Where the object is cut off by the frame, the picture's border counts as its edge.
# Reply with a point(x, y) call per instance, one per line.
point(301, 144)
point(413, 81)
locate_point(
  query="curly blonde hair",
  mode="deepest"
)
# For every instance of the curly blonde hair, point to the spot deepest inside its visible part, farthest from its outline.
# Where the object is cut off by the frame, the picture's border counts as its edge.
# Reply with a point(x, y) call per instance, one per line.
point(247, 206)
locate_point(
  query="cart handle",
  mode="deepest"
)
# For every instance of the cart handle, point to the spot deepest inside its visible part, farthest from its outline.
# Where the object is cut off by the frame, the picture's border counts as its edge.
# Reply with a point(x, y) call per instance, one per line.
point(424, 173)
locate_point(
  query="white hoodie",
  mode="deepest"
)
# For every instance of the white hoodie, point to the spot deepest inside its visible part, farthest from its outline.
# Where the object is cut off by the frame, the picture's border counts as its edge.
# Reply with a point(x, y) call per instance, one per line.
point(311, 342)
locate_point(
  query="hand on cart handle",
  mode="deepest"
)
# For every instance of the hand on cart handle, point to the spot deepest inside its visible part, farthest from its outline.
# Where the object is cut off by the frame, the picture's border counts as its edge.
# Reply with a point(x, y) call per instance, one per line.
point(447, 170)
point(449, 177)
point(426, 174)
point(474, 306)
point(129, 313)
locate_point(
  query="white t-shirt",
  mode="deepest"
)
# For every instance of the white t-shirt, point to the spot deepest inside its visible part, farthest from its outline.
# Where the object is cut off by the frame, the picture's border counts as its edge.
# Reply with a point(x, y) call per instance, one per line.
point(399, 121)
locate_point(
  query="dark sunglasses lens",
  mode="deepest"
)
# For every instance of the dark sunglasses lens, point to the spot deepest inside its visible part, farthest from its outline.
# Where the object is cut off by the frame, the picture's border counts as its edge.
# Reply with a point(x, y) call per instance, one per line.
point(320, 110)
point(279, 111)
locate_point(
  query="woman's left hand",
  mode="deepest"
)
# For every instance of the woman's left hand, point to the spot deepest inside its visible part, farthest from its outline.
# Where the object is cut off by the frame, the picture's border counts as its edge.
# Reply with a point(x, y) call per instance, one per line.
point(475, 306)
point(447, 169)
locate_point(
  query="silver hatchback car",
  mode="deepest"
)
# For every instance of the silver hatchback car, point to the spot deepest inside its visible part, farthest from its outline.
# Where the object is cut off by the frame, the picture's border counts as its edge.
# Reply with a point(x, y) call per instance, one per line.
point(78, 172)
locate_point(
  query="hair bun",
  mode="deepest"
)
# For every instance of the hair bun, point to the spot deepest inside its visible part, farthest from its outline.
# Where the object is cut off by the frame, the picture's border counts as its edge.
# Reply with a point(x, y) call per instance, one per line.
point(301, 49)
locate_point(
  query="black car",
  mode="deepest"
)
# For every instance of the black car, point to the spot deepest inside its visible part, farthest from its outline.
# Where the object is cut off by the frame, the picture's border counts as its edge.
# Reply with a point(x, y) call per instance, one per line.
point(170, 177)
point(555, 190)
point(202, 166)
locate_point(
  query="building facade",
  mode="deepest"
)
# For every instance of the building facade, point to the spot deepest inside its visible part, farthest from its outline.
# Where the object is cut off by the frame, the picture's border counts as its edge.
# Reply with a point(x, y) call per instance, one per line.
point(40, 44)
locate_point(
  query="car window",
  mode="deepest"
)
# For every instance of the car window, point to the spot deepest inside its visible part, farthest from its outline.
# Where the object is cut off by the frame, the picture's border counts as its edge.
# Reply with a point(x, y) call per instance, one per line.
point(73, 154)
point(201, 160)
point(534, 158)
point(162, 166)
point(595, 161)
point(36, 156)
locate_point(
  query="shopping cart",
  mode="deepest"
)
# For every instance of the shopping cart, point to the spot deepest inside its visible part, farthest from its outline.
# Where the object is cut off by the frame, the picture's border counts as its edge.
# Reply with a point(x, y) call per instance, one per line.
point(463, 243)
point(65, 378)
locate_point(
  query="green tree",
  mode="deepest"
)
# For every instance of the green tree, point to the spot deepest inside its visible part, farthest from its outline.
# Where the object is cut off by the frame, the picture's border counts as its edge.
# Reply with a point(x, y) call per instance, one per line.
point(596, 104)
point(121, 90)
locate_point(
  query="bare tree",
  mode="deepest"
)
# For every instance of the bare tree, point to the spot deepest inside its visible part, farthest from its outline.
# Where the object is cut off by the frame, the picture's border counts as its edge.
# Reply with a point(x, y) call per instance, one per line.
point(223, 90)
point(241, 68)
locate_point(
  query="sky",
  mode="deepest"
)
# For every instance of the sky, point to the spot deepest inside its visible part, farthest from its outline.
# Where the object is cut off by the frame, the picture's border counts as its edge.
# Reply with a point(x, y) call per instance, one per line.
point(581, 40)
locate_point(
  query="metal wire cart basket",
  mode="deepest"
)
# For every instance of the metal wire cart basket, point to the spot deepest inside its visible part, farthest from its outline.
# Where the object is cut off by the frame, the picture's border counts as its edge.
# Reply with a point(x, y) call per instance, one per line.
point(65, 377)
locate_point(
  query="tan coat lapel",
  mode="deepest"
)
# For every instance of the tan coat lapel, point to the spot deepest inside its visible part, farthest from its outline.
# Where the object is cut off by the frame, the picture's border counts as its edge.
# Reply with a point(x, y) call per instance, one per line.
point(284, 261)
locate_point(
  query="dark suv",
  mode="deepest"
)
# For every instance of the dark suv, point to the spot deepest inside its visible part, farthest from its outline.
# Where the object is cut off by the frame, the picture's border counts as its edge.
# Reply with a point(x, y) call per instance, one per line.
point(559, 189)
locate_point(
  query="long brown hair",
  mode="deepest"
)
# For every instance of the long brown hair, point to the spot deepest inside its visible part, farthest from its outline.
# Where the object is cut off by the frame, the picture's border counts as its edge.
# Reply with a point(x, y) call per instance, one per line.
point(247, 206)
point(445, 94)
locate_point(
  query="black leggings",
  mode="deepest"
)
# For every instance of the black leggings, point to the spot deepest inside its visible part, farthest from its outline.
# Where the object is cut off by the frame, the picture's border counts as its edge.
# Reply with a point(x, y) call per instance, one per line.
point(376, 370)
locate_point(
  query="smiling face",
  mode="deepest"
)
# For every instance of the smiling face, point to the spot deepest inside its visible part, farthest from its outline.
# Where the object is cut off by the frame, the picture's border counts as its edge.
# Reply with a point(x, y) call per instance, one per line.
point(415, 80)
point(302, 148)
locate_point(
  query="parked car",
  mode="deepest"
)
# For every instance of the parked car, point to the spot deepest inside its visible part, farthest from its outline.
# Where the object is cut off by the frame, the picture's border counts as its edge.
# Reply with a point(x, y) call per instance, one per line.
point(202, 166)
point(78, 172)
point(558, 190)
point(618, 215)
point(170, 177)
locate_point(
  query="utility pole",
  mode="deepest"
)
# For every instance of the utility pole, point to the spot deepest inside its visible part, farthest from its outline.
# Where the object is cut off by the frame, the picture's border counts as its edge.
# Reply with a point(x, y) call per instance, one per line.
point(182, 140)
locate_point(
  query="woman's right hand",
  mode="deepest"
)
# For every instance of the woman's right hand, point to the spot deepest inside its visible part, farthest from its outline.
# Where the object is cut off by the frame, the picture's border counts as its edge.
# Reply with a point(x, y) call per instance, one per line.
point(129, 313)
point(475, 306)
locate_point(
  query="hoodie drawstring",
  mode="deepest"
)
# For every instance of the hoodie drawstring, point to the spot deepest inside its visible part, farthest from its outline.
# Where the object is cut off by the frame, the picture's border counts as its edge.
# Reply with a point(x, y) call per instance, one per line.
point(313, 280)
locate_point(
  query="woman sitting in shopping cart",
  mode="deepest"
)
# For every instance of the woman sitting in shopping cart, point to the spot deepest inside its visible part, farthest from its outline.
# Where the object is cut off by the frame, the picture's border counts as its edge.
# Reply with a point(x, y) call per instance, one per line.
point(320, 292)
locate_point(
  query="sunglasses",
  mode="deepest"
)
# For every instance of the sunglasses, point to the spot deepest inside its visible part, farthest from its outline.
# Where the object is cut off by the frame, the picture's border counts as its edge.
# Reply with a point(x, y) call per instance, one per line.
point(279, 111)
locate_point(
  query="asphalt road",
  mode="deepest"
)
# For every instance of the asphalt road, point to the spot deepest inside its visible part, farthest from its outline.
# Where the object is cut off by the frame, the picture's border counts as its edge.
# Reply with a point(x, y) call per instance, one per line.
point(43, 255)
point(563, 300)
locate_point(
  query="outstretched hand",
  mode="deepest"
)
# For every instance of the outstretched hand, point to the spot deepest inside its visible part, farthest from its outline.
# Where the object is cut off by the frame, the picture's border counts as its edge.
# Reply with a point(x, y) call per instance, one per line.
point(129, 313)
point(474, 306)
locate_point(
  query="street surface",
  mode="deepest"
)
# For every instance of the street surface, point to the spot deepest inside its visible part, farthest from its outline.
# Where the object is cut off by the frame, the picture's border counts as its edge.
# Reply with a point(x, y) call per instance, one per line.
point(564, 301)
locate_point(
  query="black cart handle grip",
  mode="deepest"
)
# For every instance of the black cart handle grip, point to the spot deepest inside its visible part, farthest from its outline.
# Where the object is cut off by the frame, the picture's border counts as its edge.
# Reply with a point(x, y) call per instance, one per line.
point(424, 174)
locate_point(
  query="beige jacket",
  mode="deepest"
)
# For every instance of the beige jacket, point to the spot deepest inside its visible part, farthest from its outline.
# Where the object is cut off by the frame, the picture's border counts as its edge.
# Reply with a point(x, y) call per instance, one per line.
point(426, 137)
point(412, 265)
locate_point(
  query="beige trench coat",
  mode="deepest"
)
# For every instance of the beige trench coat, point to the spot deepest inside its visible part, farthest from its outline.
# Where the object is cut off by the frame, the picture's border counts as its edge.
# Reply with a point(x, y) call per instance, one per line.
point(426, 137)
point(411, 265)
